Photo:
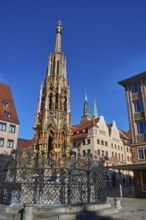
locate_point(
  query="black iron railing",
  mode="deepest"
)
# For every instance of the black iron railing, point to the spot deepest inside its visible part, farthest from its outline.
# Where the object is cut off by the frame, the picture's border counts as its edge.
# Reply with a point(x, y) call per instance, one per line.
point(78, 182)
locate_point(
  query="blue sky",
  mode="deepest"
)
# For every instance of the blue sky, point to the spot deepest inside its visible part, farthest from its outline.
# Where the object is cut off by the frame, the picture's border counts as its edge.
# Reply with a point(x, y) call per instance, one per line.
point(104, 42)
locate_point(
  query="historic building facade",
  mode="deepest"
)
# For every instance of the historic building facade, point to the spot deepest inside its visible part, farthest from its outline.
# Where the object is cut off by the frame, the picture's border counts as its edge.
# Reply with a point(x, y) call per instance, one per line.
point(9, 122)
point(135, 88)
point(94, 137)
point(52, 129)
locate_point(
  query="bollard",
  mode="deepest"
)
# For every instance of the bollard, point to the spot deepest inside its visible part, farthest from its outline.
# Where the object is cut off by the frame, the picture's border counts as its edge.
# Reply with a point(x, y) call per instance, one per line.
point(117, 203)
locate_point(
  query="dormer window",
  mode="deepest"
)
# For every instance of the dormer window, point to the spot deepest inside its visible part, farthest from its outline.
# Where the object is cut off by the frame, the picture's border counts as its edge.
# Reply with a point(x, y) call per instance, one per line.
point(8, 114)
point(6, 104)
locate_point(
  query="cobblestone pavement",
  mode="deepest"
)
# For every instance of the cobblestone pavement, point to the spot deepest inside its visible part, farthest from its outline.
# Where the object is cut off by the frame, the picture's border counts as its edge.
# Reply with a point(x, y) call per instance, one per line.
point(132, 209)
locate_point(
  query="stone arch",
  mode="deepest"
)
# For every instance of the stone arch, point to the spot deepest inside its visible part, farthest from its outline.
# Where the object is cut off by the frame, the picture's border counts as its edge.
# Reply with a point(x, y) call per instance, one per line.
point(50, 141)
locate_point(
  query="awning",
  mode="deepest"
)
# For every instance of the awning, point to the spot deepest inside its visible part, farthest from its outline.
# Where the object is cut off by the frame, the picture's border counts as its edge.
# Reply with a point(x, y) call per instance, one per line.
point(132, 167)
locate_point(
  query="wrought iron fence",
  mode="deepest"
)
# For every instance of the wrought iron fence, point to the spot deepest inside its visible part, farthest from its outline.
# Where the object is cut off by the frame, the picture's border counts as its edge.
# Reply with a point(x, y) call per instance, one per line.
point(79, 182)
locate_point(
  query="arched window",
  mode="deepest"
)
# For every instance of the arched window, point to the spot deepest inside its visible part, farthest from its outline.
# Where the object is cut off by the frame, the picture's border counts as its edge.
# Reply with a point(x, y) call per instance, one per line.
point(65, 104)
point(56, 101)
point(50, 142)
point(57, 67)
point(53, 69)
point(50, 101)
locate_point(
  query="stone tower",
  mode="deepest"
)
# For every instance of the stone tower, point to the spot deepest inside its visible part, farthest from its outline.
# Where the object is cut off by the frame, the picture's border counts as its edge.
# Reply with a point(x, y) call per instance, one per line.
point(52, 129)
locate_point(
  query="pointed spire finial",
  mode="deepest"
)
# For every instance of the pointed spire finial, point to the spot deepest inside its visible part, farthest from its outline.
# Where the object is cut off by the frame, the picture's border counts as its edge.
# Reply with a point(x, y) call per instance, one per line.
point(58, 37)
point(86, 107)
point(95, 113)
point(86, 99)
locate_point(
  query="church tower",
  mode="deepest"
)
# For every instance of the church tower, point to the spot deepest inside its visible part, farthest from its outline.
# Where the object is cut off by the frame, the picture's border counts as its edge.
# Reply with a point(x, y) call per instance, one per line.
point(86, 115)
point(95, 113)
point(52, 129)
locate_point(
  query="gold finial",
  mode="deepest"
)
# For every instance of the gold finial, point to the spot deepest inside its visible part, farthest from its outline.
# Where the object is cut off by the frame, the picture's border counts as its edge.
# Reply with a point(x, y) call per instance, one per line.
point(59, 27)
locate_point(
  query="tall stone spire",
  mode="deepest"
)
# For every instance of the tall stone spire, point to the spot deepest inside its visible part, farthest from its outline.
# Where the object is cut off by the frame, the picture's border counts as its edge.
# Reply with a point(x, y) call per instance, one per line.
point(95, 113)
point(52, 127)
point(86, 115)
point(57, 61)
point(58, 37)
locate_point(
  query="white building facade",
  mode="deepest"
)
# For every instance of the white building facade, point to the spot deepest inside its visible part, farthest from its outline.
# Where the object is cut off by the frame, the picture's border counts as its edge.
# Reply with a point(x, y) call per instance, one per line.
point(96, 138)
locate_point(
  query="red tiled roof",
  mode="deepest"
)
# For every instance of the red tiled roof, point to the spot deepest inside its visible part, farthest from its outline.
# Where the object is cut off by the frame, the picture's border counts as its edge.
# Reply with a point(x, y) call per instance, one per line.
point(129, 134)
point(25, 145)
point(125, 135)
point(84, 125)
point(79, 136)
point(6, 96)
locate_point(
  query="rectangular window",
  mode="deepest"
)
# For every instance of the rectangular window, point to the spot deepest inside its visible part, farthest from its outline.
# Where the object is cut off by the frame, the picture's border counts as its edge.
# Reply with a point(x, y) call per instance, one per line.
point(2, 126)
point(89, 152)
point(142, 153)
point(102, 152)
point(119, 157)
point(122, 157)
point(106, 143)
point(112, 145)
point(83, 142)
point(116, 155)
point(88, 141)
point(102, 142)
point(98, 152)
point(98, 141)
point(8, 114)
point(12, 128)
point(112, 154)
point(10, 143)
point(106, 153)
point(115, 146)
point(1, 142)
point(138, 105)
point(135, 87)
point(141, 127)
point(84, 153)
